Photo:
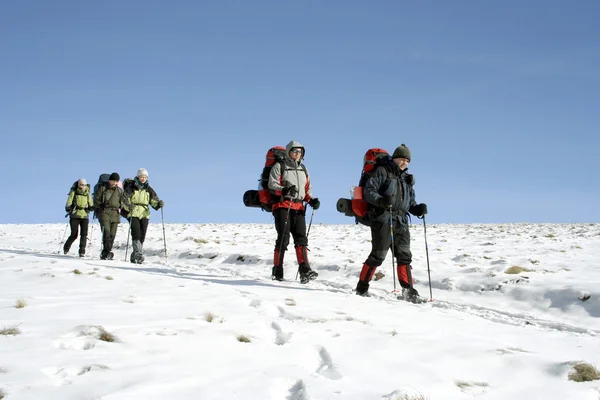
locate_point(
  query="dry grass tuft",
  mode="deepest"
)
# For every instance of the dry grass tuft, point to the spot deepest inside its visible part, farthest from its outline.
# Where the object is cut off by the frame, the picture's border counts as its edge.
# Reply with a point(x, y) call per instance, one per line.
point(201, 241)
point(10, 330)
point(515, 269)
point(106, 336)
point(2, 394)
point(584, 372)
point(243, 339)
point(108, 278)
point(378, 275)
point(77, 272)
point(463, 384)
point(290, 302)
point(209, 317)
point(21, 303)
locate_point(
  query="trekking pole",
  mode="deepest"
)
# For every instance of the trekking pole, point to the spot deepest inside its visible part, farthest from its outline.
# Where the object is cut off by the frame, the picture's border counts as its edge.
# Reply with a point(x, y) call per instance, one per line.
point(63, 237)
point(427, 253)
point(287, 217)
point(392, 246)
point(164, 235)
point(91, 233)
point(128, 233)
point(310, 224)
point(307, 233)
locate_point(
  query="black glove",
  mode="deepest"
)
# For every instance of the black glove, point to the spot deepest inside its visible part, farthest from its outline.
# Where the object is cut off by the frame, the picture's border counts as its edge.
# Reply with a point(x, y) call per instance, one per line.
point(160, 204)
point(290, 191)
point(314, 203)
point(419, 210)
point(89, 209)
point(386, 201)
point(68, 209)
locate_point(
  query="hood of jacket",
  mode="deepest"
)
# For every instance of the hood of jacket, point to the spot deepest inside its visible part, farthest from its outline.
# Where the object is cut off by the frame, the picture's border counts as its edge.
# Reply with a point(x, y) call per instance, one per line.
point(290, 146)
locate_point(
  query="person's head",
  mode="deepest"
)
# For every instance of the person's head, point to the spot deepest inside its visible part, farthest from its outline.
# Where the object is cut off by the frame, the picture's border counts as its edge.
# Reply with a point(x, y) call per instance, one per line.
point(81, 183)
point(113, 179)
point(401, 157)
point(142, 175)
point(295, 151)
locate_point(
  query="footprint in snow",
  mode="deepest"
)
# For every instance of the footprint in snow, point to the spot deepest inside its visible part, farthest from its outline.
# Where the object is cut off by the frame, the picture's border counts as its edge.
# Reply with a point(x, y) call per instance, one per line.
point(298, 391)
point(327, 369)
point(281, 337)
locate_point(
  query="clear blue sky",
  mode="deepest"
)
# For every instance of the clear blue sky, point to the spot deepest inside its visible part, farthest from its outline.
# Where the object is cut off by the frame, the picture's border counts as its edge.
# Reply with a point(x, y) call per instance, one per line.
point(499, 102)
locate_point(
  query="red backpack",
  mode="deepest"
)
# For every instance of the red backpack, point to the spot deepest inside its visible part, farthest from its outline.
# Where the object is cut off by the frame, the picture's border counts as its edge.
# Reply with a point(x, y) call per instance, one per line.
point(357, 206)
point(263, 197)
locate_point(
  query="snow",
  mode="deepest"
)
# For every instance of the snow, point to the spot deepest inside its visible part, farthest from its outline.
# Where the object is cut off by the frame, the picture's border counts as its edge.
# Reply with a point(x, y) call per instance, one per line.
point(485, 335)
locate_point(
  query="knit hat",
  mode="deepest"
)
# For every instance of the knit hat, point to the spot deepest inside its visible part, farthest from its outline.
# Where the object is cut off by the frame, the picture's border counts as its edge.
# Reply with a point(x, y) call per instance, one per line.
point(82, 182)
point(114, 177)
point(142, 172)
point(402, 152)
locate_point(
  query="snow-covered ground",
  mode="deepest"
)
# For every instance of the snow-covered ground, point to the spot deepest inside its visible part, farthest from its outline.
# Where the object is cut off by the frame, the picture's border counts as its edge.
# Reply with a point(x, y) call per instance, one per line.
point(487, 334)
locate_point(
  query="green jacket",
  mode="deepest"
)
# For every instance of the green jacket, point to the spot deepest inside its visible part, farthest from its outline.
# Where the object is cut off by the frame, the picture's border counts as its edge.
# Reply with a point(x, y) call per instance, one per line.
point(79, 202)
point(108, 201)
point(140, 198)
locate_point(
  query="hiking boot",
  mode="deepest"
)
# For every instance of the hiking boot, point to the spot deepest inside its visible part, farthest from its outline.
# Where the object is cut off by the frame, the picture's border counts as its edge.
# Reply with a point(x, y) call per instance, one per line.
point(81, 254)
point(410, 295)
point(65, 250)
point(277, 273)
point(110, 255)
point(103, 255)
point(137, 259)
point(306, 277)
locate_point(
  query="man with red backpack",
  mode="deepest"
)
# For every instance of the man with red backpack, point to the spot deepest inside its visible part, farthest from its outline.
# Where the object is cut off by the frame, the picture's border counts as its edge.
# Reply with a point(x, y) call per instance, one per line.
point(290, 183)
point(389, 192)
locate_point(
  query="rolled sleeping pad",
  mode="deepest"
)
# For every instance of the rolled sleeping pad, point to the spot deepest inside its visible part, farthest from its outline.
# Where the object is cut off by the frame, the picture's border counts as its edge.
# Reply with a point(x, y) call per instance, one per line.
point(345, 207)
point(252, 199)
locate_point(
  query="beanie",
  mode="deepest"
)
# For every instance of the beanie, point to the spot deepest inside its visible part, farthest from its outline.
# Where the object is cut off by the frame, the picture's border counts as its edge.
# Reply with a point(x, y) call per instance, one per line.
point(402, 152)
point(82, 181)
point(114, 177)
point(142, 172)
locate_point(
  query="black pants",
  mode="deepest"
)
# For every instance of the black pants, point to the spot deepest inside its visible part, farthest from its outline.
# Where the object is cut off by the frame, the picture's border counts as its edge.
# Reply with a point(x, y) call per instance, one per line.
point(75, 224)
point(139, 228)
point(109, 231)
point(382, 241)
point(296, 225)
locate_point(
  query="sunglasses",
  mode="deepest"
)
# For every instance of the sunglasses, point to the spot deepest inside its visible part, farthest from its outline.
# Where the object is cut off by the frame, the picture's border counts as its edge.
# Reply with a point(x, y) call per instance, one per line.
point(297, 151)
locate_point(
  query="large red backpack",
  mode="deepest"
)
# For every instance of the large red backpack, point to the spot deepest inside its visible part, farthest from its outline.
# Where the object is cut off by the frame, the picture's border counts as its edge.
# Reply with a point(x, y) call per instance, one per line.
point(357, 206)
point(263, 197)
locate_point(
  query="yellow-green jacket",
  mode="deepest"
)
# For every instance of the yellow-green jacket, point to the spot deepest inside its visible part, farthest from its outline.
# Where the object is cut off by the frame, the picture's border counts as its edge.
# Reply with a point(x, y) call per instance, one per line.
point(141, 197)
point(79, 203)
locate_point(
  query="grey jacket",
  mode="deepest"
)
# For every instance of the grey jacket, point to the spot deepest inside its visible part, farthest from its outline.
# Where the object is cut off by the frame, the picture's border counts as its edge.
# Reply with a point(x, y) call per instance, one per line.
point(293, 173)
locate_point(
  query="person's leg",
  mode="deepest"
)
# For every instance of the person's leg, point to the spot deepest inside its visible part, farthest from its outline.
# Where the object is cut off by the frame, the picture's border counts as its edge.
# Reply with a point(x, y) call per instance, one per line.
point(74, 224)
point(84, 224)
point(282, 227)
point(380, 243)
point(136, 239)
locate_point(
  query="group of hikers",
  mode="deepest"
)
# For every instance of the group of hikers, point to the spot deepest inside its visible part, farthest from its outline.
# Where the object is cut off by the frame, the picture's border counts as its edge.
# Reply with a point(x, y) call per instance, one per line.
point(388, 192)
point(110, 200)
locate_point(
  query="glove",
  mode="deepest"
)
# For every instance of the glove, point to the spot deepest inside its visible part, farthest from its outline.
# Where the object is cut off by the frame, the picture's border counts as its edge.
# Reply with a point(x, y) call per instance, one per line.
point(68, 209)
point(160, 204)
point(419, 210)
point(290, 191)
point(314, 203)
point(89, 209)
point(386, 201)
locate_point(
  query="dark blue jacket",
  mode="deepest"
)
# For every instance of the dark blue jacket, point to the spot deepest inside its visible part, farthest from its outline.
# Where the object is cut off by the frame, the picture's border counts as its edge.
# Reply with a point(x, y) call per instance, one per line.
point(389, 179)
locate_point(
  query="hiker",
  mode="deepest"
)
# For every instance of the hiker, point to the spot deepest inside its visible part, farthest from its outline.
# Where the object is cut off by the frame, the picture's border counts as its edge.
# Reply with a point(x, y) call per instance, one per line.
point(290, 181)
point(141, 196)
point(108, 199)
point(79, 205)
point(390, 193)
